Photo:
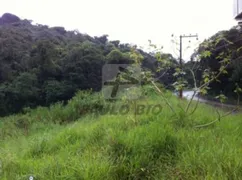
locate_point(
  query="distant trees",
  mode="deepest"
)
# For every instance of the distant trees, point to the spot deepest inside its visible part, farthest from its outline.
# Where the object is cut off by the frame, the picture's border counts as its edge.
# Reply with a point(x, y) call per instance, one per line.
point(102, 39)
point(8, 18)
point(41, 65)
point(221, 50)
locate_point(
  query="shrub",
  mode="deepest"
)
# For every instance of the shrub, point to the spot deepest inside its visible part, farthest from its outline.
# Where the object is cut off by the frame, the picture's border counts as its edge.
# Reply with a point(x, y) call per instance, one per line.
point(83, 103)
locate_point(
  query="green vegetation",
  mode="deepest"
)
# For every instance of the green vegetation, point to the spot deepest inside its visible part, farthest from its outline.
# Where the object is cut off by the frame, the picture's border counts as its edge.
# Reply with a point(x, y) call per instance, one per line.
point(93, 146)
point(71, 133)
point(222, 52)
point(41, 65)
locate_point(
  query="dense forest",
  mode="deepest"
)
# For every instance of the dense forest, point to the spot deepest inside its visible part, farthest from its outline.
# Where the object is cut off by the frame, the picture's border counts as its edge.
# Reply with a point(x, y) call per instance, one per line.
point(40, 65)
point(222, 50)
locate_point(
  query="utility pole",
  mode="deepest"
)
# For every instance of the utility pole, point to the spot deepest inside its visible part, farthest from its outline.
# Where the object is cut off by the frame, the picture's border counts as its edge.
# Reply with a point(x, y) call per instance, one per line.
point(181, 66)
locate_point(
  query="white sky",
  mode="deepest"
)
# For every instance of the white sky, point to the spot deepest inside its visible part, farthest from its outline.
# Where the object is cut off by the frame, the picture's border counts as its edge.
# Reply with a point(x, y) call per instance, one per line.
point(131, 21)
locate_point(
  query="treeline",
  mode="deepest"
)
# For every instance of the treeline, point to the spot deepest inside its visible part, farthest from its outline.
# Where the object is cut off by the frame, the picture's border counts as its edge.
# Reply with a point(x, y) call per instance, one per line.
point(222, 50)
point(40, 65)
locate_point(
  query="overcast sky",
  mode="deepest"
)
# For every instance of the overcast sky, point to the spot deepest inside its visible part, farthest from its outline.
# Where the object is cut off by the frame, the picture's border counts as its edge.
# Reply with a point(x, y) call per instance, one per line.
point(131, 21)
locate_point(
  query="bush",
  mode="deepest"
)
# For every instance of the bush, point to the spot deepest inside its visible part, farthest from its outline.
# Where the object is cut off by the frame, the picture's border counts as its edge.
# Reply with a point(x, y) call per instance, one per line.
point(83, 103)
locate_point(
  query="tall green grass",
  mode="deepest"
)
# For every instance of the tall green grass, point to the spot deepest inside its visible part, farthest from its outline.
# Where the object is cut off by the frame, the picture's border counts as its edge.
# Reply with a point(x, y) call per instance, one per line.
point(74, 142)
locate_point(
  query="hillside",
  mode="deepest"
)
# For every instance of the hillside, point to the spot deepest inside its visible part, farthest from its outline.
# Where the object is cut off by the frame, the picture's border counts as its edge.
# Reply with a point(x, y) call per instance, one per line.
point(41, 65)
point(57, 123)
point(223, 49)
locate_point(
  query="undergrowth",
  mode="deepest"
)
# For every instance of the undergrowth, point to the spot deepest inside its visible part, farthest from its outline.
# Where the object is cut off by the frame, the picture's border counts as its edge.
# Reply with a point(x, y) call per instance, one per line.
point(76, 142)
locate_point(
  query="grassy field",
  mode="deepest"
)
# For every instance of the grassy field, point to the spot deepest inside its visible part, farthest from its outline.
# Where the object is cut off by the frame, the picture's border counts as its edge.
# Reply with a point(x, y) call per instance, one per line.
point(73, 143)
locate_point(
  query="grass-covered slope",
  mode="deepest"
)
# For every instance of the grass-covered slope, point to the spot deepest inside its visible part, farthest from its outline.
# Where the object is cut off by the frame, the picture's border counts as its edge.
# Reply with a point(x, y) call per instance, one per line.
point(90, 146)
